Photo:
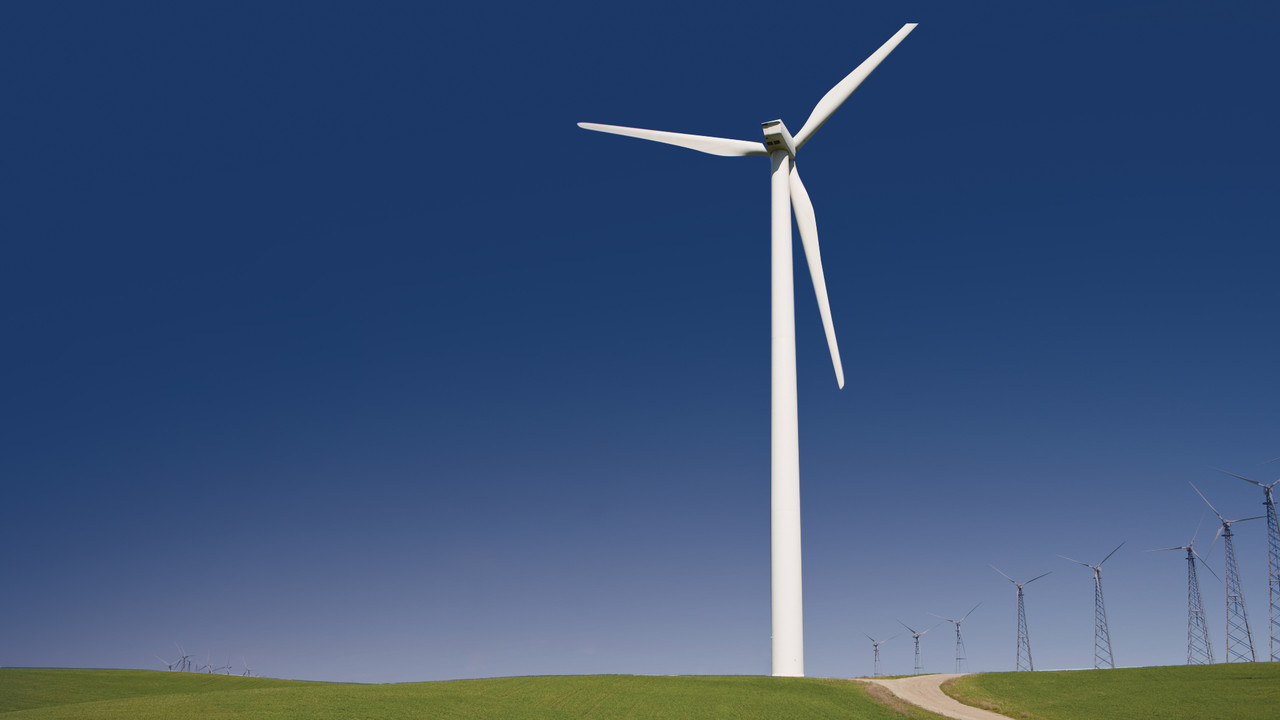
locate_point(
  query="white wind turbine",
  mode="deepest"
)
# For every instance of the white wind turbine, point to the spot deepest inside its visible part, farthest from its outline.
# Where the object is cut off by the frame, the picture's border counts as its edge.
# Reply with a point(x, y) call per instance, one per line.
point(786, 191)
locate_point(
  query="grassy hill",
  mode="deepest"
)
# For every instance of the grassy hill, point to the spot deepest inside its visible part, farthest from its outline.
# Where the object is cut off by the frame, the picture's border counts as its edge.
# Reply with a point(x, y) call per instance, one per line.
point(1248, 691)
point(148, 695)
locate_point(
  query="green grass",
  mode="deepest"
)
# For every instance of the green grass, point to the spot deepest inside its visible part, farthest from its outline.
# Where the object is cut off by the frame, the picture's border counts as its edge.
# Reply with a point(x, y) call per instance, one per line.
point(1198, 692)
point(147, 695)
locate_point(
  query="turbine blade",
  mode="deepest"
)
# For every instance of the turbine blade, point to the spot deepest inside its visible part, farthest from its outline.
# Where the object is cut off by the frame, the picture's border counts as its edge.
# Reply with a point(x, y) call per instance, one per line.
point(1038, 577)
point(1206, 501)
point(701, 143)
point(808, 225)
point(1006, 577)
point(1113, 552)
point(1182, 547)
point(966, 615)
point(1064, 557)
point(1224, 472)
point(1255, 517)
point(836, 96)
point(913, 632)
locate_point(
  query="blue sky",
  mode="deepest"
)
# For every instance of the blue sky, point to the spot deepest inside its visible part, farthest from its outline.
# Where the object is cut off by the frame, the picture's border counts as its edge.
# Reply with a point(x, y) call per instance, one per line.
point(333, 346)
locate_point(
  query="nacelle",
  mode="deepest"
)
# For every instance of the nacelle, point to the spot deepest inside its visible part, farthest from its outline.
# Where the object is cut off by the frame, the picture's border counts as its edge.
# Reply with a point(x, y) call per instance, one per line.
point(777, 138)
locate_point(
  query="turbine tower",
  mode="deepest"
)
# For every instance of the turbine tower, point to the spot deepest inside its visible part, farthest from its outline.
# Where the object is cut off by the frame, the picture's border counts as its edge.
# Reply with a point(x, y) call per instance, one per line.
point(919, 666)
point(1101, 634)
point(1024, 638)
point(1199, 647)
point(875, 646)
point(1239, 637)
point(1273, 559)
point(960, 653)
point(786, 192)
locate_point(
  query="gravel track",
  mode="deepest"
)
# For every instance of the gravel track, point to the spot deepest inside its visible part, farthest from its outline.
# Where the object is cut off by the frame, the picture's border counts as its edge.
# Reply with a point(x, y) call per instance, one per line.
point(926, 691)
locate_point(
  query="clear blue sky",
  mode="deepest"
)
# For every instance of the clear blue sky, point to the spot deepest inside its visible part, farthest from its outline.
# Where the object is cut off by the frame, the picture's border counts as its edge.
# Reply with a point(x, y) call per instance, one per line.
point(331, 344)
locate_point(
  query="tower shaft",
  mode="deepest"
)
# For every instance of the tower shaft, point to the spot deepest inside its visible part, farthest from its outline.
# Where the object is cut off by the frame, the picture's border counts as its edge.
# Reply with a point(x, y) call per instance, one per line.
point(960, 659)
point(787, 597)
point(1024, 640)
point(1273, 573)
point(1239, 637)
point(1101, 633)
point(919, 665)
point(1199, 648)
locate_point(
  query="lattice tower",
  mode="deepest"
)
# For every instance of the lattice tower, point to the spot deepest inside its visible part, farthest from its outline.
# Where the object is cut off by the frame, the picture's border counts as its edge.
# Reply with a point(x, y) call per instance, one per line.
point(1101, 633)
point(1273, 571)
point(1199, 647)
point(1239, 637)
point(1024, 639)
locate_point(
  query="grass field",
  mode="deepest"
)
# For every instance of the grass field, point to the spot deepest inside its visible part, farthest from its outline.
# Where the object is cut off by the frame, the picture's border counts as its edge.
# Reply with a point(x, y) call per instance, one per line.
point(1248, 691)
point(148, 695)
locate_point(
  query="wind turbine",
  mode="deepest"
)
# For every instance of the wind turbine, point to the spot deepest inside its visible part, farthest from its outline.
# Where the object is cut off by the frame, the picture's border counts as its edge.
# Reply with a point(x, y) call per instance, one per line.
point(247, 672)
point(1024, 638)
point(875, 645)
point(960, 653)
point(786, 191)
point(1238, 633)
point(1273, 558)
point(185, 660)
point(1101, 634)
point(1199, 647)
point(919, 667)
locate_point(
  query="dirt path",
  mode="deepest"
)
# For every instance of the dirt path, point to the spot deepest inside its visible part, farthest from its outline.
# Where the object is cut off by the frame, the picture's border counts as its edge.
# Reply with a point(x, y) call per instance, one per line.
point(925, 691)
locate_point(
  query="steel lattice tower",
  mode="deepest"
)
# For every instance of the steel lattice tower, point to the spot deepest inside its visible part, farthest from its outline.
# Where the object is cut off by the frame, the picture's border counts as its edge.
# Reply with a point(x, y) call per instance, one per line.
point(1101, 632)
point(960, 652)
point(1199, 647)
point(1239, 637)
point(875, 645)
point(1273, 571)
point(1273, 560)
point(919, 667)
point(1024, 638)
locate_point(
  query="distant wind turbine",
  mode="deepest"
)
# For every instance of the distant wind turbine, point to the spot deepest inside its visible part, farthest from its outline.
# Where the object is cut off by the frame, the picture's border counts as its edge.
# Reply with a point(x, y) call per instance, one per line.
point(787, 191)
point(1199, 647)
point(1101, 633)
point(875, 645)
point(247, 672)
point(919, 666)
point(1273, 558)
point(1239, 636)
point(185, 660)
point(960, 653)
point(1024, 638)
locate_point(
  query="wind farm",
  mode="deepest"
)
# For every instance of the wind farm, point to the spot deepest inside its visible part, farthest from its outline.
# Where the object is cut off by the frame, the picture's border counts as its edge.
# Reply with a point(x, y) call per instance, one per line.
point(292, 378)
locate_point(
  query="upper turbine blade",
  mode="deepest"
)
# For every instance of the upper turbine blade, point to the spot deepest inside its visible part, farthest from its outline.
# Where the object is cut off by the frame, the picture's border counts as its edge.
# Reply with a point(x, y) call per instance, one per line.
point(808, 225)
point(701, 143)
point(1113, 552)
point(1224, 472)
point(1206, 502)
point(836, 96)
